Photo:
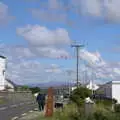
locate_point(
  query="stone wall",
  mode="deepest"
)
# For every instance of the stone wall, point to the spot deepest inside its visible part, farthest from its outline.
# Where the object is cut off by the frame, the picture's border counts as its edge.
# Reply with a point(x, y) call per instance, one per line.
point(16, 97)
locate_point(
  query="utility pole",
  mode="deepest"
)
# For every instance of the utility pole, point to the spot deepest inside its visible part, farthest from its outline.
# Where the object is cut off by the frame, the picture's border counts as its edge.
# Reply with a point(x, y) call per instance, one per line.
point(77, 62)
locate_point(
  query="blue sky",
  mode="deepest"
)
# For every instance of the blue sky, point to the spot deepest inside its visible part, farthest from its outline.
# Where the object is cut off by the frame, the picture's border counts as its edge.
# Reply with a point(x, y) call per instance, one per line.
point(98, 30)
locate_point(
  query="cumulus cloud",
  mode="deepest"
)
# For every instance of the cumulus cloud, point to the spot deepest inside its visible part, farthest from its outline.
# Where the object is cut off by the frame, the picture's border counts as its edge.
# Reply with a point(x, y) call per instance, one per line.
point(93, 59)
point(24, 71)
point(107, 10)
point(97, 67)
point(42, 36)
point(32, 72)
point(4, 14)
point(51, 52)
point(24, 52)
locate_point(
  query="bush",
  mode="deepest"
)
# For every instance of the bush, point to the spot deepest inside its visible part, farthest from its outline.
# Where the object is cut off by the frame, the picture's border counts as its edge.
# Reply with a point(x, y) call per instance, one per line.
point(117, 108)
point(79, 94)
point(35, 90)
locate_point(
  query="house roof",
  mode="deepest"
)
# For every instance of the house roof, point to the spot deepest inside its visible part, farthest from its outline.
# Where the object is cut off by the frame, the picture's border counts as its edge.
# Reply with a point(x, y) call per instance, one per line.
point(1, 56)
point(11, 82)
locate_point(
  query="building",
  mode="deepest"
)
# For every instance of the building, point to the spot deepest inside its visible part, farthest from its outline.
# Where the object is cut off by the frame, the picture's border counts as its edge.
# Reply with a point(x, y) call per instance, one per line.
point(2, 72)
point(92, 86)
point(9, 85)
point(110, 90)
point(4, 83)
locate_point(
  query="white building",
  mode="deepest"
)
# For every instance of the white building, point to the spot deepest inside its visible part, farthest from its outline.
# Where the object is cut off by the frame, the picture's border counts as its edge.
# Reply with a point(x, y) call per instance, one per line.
point(4, 83)
point(2, 72)
point(92, 86)
point(110, 90)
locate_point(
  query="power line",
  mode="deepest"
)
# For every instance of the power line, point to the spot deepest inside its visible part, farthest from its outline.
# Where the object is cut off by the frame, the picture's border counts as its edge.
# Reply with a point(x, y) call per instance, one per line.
point(77, 46)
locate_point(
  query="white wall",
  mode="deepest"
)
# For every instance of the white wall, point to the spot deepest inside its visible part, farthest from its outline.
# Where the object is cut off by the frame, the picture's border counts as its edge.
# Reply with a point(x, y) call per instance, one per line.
point(106, 89)
point(111, 90)
point(2, 73)
point(116, 90)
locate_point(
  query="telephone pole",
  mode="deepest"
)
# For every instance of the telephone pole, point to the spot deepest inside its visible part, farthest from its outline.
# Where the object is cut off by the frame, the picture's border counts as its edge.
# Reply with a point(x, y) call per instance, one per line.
point(77, 61)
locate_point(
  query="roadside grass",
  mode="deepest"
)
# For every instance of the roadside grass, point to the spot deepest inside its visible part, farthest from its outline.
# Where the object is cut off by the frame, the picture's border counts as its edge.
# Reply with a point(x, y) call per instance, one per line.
point(70, 112)
point(60, 114)
point(2, 101)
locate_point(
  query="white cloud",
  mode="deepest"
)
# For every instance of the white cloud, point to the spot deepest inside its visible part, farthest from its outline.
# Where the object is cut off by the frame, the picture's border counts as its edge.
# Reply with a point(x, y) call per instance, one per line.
point(91, 7)
point(32, 72)
point(24, 71)
point(93, 59)
point(117, 70)
point(42, 36)
point(4, 14)
point(107, 10)
point(53, 69)
point(51, 52)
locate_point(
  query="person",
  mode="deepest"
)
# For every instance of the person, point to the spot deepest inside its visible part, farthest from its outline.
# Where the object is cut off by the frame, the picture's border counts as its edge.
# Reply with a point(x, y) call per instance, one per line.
point(41, 101)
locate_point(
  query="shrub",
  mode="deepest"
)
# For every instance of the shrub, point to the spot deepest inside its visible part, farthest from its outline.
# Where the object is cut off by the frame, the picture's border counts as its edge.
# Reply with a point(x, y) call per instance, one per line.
point(117, 108)
point(35, 89)
point(79, 94)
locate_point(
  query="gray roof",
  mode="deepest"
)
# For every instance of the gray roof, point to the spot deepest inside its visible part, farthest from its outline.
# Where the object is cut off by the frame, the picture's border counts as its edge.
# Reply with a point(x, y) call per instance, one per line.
point(11, 82)
point(1, 56)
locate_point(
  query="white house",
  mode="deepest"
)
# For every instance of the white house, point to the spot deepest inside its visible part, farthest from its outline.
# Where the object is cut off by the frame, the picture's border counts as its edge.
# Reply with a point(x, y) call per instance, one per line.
point(2, 72)
point(110, 90)
point(4, 83)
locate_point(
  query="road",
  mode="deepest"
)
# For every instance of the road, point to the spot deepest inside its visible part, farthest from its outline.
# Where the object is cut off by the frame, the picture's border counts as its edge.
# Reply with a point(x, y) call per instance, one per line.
point(10, 112)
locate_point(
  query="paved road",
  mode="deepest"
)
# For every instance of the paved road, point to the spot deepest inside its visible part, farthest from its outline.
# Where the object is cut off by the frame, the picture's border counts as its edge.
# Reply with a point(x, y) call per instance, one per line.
point(11, 112)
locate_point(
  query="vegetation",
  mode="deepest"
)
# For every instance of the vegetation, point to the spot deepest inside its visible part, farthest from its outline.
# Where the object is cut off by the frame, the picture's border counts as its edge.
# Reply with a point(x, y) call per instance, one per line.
point(35, 90)
point(2, 101)
point(102, 109)
point(78, 95)
point(117, 108)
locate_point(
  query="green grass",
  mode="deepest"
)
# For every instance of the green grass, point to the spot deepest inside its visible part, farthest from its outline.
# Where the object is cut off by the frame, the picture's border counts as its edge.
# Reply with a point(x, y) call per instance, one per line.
point(2, 101)
point(60, 114)
point(71, 112)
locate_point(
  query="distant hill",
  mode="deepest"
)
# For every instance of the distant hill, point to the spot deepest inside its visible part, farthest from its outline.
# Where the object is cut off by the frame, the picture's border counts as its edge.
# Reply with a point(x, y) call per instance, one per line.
point(49, 84)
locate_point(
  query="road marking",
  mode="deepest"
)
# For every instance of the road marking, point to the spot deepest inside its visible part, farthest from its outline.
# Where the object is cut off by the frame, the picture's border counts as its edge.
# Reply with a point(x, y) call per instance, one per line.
point(24, 114)
point(3, 108)
point(31, 111)
point(14, 118)
point(36, 109)
point(13, 106)
point(21, 103)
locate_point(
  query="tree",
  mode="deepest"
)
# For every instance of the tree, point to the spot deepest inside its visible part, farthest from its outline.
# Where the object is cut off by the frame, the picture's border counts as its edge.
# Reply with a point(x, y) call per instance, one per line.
point(35, 90)
point(78, 95)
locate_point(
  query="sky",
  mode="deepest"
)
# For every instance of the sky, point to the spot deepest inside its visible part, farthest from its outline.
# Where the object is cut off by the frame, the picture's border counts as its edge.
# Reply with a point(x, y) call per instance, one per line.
point(36, 38)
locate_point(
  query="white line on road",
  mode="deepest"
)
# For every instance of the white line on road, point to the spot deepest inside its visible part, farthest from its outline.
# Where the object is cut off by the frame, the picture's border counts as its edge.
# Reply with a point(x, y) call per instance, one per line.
point(24, 114)
point(14, 118)
point(13, 106)
point(36, 109)
point(21, 103)
point(3, 108)
point(31, 111)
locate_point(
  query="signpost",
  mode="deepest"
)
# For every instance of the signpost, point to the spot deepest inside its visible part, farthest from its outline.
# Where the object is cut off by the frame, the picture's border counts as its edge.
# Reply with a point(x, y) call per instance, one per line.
point(49, 103)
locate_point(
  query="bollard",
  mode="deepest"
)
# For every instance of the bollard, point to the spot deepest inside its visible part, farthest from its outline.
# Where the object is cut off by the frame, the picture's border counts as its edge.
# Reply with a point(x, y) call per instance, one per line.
point(49, 103)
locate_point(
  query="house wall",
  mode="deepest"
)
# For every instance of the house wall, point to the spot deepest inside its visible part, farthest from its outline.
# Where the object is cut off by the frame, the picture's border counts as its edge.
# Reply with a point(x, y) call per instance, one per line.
point(116, 90)
point(2, 73)
point(106, 90)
